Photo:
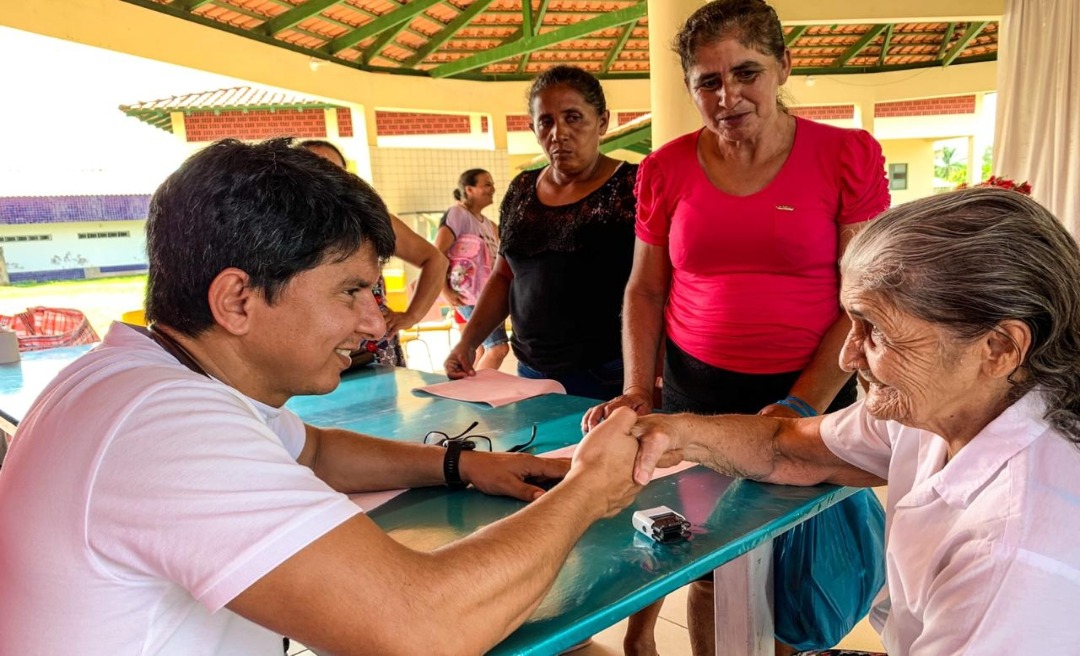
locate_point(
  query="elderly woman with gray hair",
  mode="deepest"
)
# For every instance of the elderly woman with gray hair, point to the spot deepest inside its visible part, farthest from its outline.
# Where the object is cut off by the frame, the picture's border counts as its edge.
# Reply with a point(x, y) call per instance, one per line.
point(965, 312)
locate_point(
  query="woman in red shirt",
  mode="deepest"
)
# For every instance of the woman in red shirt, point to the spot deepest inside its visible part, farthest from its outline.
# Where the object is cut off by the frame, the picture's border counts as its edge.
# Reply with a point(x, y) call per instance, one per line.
point(740, 226)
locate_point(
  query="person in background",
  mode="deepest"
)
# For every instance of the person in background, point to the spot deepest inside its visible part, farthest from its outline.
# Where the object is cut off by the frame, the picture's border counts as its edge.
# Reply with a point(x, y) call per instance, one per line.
point(567, 247)
point(740, 226)
point(159, 499)
point(965, 321)
point(409, 247)
point(466, 230)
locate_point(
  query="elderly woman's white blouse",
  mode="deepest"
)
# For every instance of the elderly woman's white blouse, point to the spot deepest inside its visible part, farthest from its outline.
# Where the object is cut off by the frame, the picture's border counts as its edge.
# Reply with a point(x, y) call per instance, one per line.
point(983, 553)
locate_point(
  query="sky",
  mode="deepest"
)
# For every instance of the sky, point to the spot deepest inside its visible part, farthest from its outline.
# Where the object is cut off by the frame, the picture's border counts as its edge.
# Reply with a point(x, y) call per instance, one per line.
point(63, 130)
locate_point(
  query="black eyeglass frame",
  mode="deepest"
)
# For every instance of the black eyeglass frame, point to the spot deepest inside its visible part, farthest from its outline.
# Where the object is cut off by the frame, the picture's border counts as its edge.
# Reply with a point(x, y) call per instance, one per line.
point(470, 442)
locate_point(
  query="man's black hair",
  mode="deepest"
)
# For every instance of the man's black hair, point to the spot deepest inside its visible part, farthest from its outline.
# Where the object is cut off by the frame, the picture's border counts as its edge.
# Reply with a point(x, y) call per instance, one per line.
point(269, 209)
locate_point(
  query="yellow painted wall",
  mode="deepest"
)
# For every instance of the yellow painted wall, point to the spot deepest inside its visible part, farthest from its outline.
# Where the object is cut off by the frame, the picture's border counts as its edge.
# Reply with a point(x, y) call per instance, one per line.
point(918, 154)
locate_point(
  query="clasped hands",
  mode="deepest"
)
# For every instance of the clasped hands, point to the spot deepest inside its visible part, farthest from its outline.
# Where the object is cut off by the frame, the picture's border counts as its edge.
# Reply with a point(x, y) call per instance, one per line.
point(611, 463)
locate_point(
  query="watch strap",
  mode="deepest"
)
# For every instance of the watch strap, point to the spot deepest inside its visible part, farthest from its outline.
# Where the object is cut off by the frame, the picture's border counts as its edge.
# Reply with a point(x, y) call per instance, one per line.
point(452, 465)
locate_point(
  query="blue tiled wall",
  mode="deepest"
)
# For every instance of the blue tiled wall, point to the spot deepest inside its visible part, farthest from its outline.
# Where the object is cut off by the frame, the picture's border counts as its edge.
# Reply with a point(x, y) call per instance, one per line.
point(123, 268)
point(45, 276)
point(72, 274)
point(16, 210)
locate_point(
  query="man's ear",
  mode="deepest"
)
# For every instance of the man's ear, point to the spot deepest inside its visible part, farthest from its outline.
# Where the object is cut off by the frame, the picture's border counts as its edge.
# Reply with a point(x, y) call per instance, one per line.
point(231, 298)
point(1007, 346)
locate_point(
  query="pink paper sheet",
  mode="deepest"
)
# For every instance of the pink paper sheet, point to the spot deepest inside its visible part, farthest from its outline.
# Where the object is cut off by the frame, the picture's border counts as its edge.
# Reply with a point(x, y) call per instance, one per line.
point(493, 388)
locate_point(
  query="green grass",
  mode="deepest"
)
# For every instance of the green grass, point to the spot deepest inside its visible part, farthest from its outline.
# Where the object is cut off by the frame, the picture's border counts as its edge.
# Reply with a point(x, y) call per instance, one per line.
point(102, 300)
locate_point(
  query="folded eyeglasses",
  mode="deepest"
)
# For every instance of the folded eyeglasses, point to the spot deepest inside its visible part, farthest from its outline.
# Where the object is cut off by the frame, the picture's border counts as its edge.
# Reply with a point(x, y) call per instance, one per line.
point(473, 442)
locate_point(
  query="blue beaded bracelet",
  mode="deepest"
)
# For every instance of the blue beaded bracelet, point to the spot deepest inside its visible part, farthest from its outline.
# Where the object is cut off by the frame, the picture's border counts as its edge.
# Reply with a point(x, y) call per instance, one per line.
point(803, 408)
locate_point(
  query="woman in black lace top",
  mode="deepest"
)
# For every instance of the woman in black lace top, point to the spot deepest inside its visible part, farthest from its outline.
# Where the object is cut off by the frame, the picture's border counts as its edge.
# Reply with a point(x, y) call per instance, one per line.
point(567, 248)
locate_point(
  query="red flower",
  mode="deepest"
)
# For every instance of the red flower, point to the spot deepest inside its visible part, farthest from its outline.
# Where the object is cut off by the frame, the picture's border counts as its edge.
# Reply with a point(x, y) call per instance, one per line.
point(1002, 183)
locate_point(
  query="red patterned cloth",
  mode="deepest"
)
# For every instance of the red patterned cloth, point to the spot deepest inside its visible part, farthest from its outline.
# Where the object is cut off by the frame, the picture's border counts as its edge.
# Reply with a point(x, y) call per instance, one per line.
point(43, 328)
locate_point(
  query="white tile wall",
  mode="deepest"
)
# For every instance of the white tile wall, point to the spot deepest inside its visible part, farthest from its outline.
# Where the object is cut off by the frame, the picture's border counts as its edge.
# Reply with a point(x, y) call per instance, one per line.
point(423, 179)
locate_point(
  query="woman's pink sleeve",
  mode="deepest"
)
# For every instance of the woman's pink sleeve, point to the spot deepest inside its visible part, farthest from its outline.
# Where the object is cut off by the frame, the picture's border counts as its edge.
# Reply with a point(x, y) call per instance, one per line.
point(864, 187)
point(653, 215)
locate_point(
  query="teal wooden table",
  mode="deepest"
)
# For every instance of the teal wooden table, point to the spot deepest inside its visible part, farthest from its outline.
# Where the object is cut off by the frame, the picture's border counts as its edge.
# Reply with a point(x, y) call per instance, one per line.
point(612, 572)
point(22, 381)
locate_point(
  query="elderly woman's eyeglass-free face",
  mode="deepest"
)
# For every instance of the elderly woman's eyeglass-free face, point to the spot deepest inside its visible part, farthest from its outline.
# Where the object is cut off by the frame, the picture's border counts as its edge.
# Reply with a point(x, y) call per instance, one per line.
point(918, 374)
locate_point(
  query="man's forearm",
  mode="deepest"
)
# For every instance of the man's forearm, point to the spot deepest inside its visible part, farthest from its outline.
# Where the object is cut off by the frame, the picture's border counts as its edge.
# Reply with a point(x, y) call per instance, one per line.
point(351, 462)
point(507, 576)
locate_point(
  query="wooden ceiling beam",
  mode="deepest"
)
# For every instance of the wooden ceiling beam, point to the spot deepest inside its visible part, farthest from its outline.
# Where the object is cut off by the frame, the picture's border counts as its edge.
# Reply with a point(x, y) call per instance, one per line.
point(526, 17)
point(885, 46)
point(851, 70)
point(857, 47)
point(190, 5)
point(448, 32)
point(875, 12)
point(529, 44)
point(617, 50)
point(796, 32)
point(384, 39)
point(969, 36)
point(946, 40)
point(295, 16)
point(541, 13)
point(390, 19)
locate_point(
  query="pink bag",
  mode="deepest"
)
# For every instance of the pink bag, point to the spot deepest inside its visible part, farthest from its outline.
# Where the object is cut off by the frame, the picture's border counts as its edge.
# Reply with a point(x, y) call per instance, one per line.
point(43, 328)
point(470, 267)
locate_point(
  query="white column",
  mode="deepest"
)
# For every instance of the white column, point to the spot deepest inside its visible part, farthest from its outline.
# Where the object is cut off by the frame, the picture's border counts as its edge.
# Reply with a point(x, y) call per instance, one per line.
point(981, 140)
point(498, 130)
point(179, 128)
point(673, 113)
point(363, 141)
point(333, 132)
point(864, 114)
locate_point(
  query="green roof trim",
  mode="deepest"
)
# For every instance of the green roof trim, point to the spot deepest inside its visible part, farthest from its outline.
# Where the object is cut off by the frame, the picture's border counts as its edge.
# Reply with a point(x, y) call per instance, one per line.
point(533, 43)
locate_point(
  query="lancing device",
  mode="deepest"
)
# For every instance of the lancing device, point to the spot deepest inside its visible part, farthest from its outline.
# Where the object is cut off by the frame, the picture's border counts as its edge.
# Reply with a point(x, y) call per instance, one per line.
point(662, 524)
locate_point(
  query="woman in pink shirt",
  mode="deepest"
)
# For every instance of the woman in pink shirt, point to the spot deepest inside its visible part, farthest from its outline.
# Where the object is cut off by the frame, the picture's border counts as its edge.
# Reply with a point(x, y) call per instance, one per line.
point(740, 226)
point(475, 191)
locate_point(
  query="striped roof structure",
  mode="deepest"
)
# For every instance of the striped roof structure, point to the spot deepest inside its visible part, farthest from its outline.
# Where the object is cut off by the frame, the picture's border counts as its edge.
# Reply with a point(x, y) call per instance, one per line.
point(514, 40)
point(156, 112)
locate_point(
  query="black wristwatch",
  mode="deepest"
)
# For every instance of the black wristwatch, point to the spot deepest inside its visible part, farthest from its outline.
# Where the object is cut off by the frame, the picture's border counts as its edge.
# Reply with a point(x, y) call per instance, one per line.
point(451, 464)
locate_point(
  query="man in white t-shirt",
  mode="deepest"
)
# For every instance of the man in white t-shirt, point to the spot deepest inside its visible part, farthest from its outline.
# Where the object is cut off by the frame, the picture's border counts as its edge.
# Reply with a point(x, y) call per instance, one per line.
point(965, 323)
point(158, 499)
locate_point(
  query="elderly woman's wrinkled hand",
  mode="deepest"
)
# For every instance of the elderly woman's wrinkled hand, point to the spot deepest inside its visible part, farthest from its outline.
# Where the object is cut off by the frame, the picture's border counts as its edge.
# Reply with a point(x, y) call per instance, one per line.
point(636, 399)
point(658, 445)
